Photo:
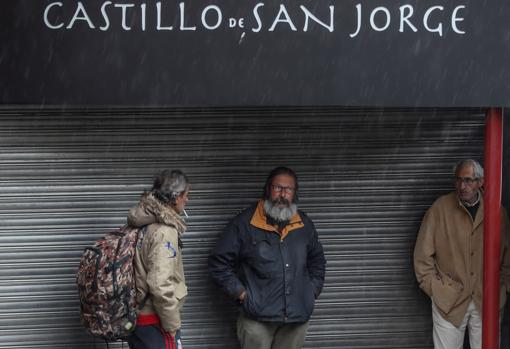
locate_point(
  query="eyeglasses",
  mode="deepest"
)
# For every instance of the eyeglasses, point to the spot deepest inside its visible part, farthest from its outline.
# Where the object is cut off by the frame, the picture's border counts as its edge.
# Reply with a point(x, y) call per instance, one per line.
point(279, 189)
point(466, 180)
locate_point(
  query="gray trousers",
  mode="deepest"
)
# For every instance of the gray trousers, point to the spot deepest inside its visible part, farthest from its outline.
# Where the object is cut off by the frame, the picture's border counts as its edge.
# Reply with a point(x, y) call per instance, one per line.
point(254, 334)
point(447, 336)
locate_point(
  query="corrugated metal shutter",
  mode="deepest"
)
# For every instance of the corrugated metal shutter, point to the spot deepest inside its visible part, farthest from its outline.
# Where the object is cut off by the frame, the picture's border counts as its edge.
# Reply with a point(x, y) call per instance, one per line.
point(367, 176)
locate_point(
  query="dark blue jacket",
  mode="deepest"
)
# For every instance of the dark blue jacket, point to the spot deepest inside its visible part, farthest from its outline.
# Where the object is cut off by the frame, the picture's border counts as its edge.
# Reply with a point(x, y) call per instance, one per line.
point(282, 273)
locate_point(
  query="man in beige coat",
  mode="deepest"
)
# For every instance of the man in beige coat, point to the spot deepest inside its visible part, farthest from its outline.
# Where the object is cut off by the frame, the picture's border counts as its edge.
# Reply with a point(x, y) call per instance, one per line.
point(159, 273)
point(448, 259)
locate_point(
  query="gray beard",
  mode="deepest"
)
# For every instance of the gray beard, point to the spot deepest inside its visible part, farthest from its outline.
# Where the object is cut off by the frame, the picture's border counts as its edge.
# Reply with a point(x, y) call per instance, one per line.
point(279, 214)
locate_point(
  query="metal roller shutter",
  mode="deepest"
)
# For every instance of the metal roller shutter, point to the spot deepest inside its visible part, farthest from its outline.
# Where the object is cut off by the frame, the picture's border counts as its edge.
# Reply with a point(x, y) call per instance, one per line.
point(367, 176)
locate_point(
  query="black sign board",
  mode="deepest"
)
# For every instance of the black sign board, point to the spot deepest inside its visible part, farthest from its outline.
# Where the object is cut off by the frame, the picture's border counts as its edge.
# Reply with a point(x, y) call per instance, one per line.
point(416, 53)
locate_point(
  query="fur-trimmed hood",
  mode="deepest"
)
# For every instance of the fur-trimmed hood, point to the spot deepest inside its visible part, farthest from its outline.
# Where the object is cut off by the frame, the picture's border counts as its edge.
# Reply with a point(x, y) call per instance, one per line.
point(150, 210)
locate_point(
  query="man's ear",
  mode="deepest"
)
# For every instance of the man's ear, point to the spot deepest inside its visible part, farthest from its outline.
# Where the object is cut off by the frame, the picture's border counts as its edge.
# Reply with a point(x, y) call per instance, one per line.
point(481, 181)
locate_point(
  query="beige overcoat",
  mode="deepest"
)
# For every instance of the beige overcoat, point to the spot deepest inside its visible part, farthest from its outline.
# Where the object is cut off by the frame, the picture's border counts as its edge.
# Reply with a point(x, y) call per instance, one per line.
point(448, 257)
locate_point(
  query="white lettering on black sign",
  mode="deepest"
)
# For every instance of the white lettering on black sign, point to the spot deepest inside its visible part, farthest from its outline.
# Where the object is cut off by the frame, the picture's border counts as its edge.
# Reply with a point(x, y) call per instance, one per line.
point(405, 18)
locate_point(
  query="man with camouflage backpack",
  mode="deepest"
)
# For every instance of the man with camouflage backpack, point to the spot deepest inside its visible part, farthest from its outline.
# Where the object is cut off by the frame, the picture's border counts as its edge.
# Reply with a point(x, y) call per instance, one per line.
point(159, 274)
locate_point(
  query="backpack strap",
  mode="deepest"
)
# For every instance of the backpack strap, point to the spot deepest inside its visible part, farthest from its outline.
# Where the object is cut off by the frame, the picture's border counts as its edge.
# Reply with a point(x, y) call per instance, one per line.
point(142, 303)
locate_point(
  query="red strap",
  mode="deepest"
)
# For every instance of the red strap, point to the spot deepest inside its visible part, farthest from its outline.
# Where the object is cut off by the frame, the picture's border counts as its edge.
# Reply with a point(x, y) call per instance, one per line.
point(153, 319)
point(147, 319)
point(169, 339)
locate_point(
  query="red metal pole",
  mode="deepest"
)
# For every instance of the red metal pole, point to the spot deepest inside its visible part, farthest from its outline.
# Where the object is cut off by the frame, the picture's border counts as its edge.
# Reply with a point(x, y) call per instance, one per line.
point(492, 224)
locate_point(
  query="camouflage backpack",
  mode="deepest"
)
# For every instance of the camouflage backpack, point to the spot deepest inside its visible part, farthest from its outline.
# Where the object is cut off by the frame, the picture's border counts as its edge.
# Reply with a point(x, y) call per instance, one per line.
point(106, 284)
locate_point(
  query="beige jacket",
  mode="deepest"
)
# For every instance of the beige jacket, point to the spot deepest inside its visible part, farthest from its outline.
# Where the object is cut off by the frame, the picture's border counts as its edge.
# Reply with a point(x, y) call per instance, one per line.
point(448, 257)
point(158, 261)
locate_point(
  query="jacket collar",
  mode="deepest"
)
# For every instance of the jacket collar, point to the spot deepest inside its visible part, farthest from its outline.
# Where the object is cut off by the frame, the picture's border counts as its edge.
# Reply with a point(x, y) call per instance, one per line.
point(259, 220)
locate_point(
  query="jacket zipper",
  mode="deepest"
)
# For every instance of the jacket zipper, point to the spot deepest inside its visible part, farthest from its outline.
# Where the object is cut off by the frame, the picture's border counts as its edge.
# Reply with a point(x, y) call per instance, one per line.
point(284, 283)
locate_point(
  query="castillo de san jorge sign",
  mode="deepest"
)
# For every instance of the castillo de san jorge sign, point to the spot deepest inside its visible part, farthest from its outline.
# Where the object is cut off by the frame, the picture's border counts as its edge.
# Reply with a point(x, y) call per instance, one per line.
point(212, 17)
point(230, 52)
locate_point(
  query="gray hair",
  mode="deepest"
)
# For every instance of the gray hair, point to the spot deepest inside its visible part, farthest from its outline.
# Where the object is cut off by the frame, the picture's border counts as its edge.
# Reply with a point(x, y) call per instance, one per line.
point(169, 185)
point(477, 168)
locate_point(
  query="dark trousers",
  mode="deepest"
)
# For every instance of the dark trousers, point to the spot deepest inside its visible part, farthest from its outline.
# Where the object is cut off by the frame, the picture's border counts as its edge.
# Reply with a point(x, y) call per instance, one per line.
point(151, 337)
